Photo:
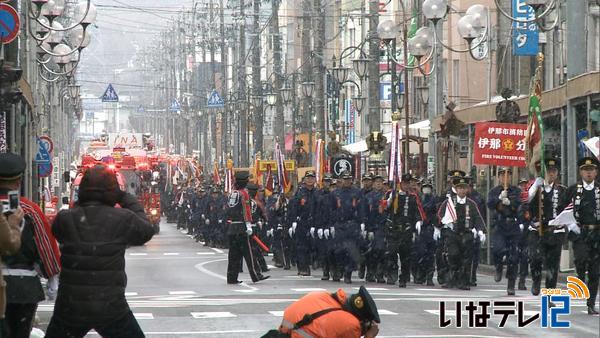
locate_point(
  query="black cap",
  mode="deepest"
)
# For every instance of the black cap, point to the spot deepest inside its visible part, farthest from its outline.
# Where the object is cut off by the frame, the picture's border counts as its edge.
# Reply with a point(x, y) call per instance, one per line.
point(363, 306)
point(456, 173)
point(377, 177)
point(252, 186)
point(523, 180)
point(504, 169)
point(310, 173)
point(460, 181)
point(552, 163)
point(215, 190)
point(407, 177)
point(367, 177)
point(242, 176)
point(327, 177)
point(12, 166)
point(426, 183)
point(333, 182)
point(587, 162)
point(346, 175)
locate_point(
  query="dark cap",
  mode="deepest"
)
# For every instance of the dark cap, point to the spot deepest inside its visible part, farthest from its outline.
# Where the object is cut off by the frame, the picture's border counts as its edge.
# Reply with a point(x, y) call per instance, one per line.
point(215, 190)
point(552, 163)
point(310, 173)
point(334, 182)
point(252, 186)
point(12, 166)
point(242, 176)
point(456, 173)
point(377, 177)
point(367, 177)
point(363, 306)
point(587, 162)
point(407, 177)
point(523, 180)
point(327, 177)
point(504, 169)
point(346, 175)
point(426, 183)
point(458, 181)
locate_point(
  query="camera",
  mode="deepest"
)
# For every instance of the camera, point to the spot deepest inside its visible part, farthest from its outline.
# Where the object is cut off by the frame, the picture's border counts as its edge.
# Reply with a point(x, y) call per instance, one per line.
point(10, 205)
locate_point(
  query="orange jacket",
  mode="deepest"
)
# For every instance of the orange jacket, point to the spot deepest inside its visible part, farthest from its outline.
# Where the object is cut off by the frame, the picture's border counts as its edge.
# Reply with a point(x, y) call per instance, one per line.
point(335, 324)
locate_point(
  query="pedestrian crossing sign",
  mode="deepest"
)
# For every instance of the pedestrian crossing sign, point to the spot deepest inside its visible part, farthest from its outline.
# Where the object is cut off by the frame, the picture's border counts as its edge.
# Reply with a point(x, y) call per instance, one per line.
point(215, 100)
point(175, 106)
point(110, 95)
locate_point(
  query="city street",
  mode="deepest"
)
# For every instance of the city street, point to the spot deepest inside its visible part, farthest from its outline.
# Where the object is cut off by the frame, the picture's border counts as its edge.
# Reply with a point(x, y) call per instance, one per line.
point(176, 288)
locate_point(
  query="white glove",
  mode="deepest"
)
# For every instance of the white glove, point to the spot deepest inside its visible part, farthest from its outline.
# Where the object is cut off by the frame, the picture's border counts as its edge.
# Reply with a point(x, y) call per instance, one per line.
point(249, 229)
point(449, 226)
point(270, 233)
point(332, 230)
point(220, 221)
point(371, 236)
point(559, 231)
point(474, 231)
point(418, 227)
point(294, 226)
point(481, 236)
point(521, 226)
point(363, 234)
point(326, 233)
point(202, 216)
point(437, 233)
point(290, 232)
point(505, 201)
point(574, 228)
point(532, 228)
point(320, 233)
point(503, 194)
point(260, 223)
point(362, 227)
point(207, 222)
point(52, 287)
point(312, 232)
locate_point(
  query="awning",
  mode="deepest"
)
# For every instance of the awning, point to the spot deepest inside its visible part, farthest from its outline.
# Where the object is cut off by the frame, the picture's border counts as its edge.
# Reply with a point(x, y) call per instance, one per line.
point(418, 129)
point(26, 89)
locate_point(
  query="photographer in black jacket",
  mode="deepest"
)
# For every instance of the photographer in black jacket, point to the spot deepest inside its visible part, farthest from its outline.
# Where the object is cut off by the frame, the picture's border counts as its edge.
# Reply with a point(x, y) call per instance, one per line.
point(93, 237)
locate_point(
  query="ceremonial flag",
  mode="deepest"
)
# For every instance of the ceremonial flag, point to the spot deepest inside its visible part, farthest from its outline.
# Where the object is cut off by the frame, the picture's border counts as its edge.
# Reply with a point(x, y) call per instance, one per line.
point(593, 145)
point(535, 129)
point(282, 176)
point(269, 182)
point(566, 217)
point(319, 160)
point(216, 176)
point(395, 163)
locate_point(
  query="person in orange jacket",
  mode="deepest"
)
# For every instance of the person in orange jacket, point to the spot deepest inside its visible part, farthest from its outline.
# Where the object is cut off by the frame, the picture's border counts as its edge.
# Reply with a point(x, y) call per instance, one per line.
point(331, 315)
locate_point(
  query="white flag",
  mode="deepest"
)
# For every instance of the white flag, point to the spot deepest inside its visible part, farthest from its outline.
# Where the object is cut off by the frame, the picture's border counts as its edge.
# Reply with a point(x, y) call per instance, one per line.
point(450, 213)
point(593, 145)
point(565, 217)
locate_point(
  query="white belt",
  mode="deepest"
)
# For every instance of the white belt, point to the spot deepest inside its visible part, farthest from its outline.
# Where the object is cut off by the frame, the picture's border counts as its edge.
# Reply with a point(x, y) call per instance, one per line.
point(19, 272)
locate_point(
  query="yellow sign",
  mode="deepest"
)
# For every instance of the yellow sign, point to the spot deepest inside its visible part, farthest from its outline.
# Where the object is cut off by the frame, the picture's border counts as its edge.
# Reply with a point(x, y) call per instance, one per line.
point(290, 165)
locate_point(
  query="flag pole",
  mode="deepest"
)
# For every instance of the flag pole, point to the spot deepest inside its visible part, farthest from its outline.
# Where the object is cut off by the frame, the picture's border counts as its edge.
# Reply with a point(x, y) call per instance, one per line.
point(536, 90)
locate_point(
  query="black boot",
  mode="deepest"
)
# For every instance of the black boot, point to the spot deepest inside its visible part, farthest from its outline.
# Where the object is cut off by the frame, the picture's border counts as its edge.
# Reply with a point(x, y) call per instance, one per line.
point(348, 278)
point(535, 286)
point(522, 284)
point(510, 290)
point(498, 276)
point(361, 271)
point(591, 308)
point(430, 282)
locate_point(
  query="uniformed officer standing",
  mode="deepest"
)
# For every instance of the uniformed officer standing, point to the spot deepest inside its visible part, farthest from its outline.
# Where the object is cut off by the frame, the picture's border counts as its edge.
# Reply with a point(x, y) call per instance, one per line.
point(214, 218)
point(585, 196)
point(544, 249)
point(400, 231)
point(324, 221)
point(347, 229)
point(524, 221)
point(504, 201)
point(464, 224)
point(277, 209)
point(480, 201)
point(424, 256)
point(367, 188)
point(303, 207)
point(239, 219)
point(258, 220)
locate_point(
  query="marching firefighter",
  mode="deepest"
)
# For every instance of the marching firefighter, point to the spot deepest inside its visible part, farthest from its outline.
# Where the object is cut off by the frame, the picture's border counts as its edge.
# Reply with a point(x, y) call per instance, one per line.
point(585, 234)
point(424, 256)
point(544, 240)
point(524, 224)
point(324, 222)
point(504, 201)
point(375, 221)
point(480, 201)
point(214, 218)
point(402, 225)
point(277, 210)
point(239, 219)
point(365, 191)
point(258, 221)
point(303, 207)
point(347, 229)
point(463, 221)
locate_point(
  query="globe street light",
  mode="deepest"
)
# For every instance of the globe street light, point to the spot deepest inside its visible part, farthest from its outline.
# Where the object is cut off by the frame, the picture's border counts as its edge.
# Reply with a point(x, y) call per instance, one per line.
point(286, 94)
point(308, 88)
point(360, 67)
point(435, 10)
point(271, 99)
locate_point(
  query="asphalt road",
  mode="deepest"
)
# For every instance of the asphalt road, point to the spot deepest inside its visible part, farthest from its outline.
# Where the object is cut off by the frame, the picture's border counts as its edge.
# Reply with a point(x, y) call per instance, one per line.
point(176, 288)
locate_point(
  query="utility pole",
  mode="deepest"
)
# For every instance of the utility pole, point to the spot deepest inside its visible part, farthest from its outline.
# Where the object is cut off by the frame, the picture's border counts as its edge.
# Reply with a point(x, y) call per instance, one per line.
point(306, 115)
point(374, 119)
point(242, 89)
point(257, 86)
point(224, 87)
point(278, 123)
point(318, 69)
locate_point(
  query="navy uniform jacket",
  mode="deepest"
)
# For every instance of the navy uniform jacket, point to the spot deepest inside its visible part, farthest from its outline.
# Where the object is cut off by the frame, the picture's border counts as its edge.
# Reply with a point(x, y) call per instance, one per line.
point(348, 206)
point(376, 216)
point(407, 214)
point(464, 221)
point(505, 217)
point(586, 210)
point(215, 210)
point(553, 202)
point(479, 200)
point(235, 212)
point(303, 207)
point(325, 209)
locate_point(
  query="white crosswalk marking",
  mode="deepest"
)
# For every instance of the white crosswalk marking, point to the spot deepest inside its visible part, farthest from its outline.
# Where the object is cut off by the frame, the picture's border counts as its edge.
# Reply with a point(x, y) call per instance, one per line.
point(130, 294)
point(181, 293)
point(171, 253)
point(218, 250)
point(276, 313)
point(373, 289)
point(205, 253)
point(205, 315)
point(138, 254)
point(387, 312)
point(143, 316)
point(308, 289)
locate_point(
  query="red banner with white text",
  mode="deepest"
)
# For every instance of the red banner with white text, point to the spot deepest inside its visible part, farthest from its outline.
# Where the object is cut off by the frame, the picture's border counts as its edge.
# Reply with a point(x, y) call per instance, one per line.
point(500, 144)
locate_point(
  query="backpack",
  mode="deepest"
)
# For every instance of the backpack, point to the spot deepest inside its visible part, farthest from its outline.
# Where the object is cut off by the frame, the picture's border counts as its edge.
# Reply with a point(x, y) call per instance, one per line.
point(306, 320)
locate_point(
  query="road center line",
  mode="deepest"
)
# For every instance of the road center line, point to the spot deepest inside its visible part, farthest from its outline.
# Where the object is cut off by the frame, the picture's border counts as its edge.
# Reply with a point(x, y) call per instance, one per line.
point(202, 269)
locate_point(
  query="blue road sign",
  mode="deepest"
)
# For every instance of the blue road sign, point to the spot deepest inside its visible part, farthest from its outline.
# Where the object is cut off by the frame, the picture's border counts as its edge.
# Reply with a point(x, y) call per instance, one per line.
point(89, 115)
point(175, 106)
point(9, 23)
point(385, 90)
point(215, 100)
point(526, 35)
point(110, 95)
